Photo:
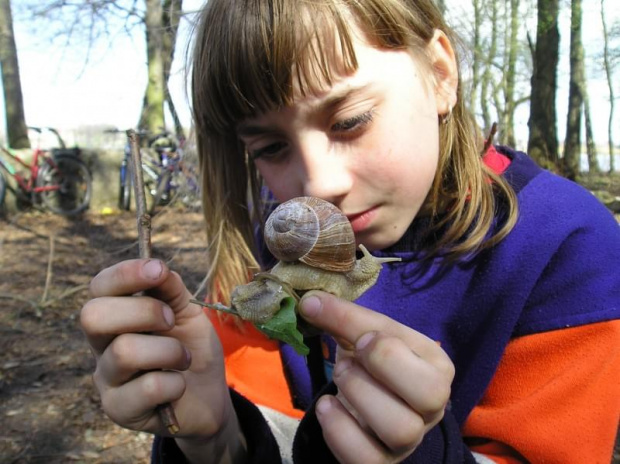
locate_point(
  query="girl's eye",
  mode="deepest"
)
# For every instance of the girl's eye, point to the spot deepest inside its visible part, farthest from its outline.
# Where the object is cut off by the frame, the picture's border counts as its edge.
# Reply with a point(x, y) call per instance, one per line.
point(270, 151)
point(353, 124)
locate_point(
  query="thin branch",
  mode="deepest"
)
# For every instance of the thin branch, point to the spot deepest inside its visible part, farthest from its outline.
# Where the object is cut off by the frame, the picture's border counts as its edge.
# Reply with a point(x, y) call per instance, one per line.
point(489, 140)
point(49, 273)
point(142, 216)
point(165, 411)
point(63, 295)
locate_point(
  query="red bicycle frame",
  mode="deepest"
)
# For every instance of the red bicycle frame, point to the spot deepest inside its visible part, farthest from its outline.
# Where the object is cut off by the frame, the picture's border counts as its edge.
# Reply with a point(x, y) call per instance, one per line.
point(27, 184)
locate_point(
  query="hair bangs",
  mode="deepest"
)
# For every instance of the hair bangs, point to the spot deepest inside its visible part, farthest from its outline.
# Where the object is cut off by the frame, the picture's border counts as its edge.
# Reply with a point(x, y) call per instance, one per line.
point(253, 59)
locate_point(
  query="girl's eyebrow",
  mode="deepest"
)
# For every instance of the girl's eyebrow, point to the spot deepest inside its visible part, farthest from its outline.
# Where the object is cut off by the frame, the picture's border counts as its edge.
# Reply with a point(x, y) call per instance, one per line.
point(335, 98)
point(339, 96)
point(249, 129)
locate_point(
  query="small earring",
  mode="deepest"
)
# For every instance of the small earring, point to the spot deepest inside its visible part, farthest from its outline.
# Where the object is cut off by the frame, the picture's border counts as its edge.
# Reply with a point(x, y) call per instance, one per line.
point(446, 117)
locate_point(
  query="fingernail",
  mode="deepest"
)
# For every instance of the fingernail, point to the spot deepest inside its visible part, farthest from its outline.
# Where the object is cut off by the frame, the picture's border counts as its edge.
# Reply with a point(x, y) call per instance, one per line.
point(323, 405)
point(168, 315)
point(153, 269)
point(310, 306)
point(364, 340)
point(188, 357)
point(342, 365)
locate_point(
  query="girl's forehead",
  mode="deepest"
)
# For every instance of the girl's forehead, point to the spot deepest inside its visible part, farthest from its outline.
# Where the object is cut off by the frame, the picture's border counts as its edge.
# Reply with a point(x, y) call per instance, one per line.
point(255, 60)
point(325, 65)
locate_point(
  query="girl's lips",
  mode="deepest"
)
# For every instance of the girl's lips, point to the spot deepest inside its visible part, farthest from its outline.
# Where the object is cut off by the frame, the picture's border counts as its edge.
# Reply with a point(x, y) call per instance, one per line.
point(362, 220)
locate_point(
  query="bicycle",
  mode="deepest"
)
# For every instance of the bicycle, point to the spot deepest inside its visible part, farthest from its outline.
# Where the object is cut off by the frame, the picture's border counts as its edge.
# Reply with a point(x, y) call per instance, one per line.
point(125, 181)
point(57, 178)
point(167, 176)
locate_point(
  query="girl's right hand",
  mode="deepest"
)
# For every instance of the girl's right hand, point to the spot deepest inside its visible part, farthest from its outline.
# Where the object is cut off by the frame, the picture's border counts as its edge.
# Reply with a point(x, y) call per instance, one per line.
point(154, 349)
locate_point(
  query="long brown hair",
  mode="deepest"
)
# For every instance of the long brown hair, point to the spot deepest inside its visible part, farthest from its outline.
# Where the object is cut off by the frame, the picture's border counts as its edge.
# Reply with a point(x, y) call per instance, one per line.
point(248, 57)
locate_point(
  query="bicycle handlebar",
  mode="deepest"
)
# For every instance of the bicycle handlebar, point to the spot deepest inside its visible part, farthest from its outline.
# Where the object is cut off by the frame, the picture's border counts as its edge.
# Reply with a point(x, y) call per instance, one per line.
point(40, 130)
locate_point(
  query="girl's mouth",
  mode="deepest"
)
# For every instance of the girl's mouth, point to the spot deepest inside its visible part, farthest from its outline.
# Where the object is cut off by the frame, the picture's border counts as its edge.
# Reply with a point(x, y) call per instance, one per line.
point(361, 221)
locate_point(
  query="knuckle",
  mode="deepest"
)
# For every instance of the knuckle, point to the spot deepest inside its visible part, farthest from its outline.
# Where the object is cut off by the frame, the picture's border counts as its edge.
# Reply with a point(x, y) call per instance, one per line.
point(406, 438)
point(119, 349)
point(438, 396)
point(90, 317)
point(109, 406)
point(384, 349)
point(446, 367)
point(152, 387)
point(98, 381)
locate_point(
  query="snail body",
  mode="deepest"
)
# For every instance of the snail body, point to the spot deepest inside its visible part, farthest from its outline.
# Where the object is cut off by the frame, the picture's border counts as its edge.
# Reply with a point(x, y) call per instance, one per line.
point(347, 285)
point(323, 260)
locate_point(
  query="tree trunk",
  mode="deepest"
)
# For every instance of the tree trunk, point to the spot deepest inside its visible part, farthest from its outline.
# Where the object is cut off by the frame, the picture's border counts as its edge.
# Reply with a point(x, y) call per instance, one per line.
point(610, 84)
point(593, 165)
point(172, 11)
point(441, 4)
point(486, 83)
point(508, 130)
point(543, 139)
point(17, 131)
point(152, 118)
point(572, 142)
point(477, 53)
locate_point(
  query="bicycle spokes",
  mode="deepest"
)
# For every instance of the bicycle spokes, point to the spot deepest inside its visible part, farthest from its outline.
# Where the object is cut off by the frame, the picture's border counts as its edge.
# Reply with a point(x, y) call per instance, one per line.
point(65, 187)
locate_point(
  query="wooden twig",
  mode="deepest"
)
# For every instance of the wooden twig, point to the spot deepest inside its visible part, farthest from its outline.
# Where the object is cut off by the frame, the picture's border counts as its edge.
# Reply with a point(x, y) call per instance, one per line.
point(489, 140)
point(165, 411)
point(63, 295)
point(143, 218)
point(216, 306)
point(49, 274)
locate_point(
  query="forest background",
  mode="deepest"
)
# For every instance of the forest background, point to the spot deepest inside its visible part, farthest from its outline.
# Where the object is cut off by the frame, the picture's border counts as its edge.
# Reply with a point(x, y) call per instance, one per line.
point(546, 71)
point(88, 65)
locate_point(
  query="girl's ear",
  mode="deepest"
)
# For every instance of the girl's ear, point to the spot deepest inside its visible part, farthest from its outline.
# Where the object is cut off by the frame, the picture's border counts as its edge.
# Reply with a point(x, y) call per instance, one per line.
point(445, 72)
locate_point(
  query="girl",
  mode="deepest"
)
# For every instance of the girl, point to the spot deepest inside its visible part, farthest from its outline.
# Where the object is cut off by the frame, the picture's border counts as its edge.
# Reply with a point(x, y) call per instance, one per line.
point(495, 338)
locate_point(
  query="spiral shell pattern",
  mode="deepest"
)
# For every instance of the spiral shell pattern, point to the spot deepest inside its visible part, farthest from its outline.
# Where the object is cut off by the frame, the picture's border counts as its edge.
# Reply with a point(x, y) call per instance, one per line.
point(312, 231)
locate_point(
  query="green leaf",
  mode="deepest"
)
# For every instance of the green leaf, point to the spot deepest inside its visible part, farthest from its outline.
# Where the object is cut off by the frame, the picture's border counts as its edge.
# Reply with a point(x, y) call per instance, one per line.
point(283, 326)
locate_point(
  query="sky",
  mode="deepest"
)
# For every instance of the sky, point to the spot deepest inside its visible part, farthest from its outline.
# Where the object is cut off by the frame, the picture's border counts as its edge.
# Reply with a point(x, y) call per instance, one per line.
point(60, 89)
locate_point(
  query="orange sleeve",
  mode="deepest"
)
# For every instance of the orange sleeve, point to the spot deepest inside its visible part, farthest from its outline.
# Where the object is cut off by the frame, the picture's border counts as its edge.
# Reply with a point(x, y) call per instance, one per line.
point(555, 398)
point(253, 364)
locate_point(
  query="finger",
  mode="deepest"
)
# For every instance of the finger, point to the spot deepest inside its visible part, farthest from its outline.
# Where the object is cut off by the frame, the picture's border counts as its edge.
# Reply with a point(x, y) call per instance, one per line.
point(423, 386)
point(174, 292)
point(394, 422)
point(133, 405)
point(347, 322)
point(130, 354)
point(129, 277)
point(345, 438)
point(104, 318)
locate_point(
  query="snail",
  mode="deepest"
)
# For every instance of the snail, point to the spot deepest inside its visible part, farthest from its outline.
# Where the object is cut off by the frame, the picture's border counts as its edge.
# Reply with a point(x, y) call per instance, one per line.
point(315, 245)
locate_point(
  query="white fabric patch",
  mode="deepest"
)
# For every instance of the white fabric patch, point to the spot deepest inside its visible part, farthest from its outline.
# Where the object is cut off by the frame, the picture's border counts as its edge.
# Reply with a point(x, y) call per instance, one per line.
point(482, 459)
point(283, 428)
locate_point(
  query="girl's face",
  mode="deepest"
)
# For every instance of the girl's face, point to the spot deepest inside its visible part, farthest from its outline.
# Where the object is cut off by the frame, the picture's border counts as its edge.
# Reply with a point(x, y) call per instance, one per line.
point(368, 143)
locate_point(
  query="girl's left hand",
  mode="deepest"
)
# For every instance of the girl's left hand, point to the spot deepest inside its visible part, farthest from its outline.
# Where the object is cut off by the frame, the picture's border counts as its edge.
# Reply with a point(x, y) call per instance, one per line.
point(393, 382)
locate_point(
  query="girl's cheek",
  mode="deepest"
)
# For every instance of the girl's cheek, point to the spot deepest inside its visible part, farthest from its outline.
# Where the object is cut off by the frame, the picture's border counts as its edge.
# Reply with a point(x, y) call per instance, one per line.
point(278, 182)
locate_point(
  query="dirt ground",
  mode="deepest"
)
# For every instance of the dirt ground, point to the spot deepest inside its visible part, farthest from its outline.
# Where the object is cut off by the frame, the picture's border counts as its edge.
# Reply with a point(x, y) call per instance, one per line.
point(50, 411)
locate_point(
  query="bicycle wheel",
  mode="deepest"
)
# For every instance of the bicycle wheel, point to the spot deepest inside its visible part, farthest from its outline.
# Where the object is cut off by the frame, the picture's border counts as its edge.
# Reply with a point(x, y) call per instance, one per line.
point(69, 186)
point(161, 195)
point(124, 194)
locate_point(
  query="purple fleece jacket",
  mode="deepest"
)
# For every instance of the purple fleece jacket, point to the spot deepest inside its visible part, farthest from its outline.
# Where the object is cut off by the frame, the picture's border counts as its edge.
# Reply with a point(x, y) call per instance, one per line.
point(557, 268)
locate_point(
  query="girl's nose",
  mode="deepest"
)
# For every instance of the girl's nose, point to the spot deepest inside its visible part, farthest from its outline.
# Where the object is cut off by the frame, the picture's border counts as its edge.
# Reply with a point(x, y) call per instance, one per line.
point(326, 172)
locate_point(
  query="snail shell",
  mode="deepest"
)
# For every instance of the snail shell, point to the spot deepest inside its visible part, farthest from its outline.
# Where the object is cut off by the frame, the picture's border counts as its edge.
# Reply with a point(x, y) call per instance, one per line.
point(312, 231)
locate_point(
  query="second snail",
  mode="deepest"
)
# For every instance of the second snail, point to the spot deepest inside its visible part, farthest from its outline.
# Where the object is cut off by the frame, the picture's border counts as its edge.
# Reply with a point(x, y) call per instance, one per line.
point(315, 245)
